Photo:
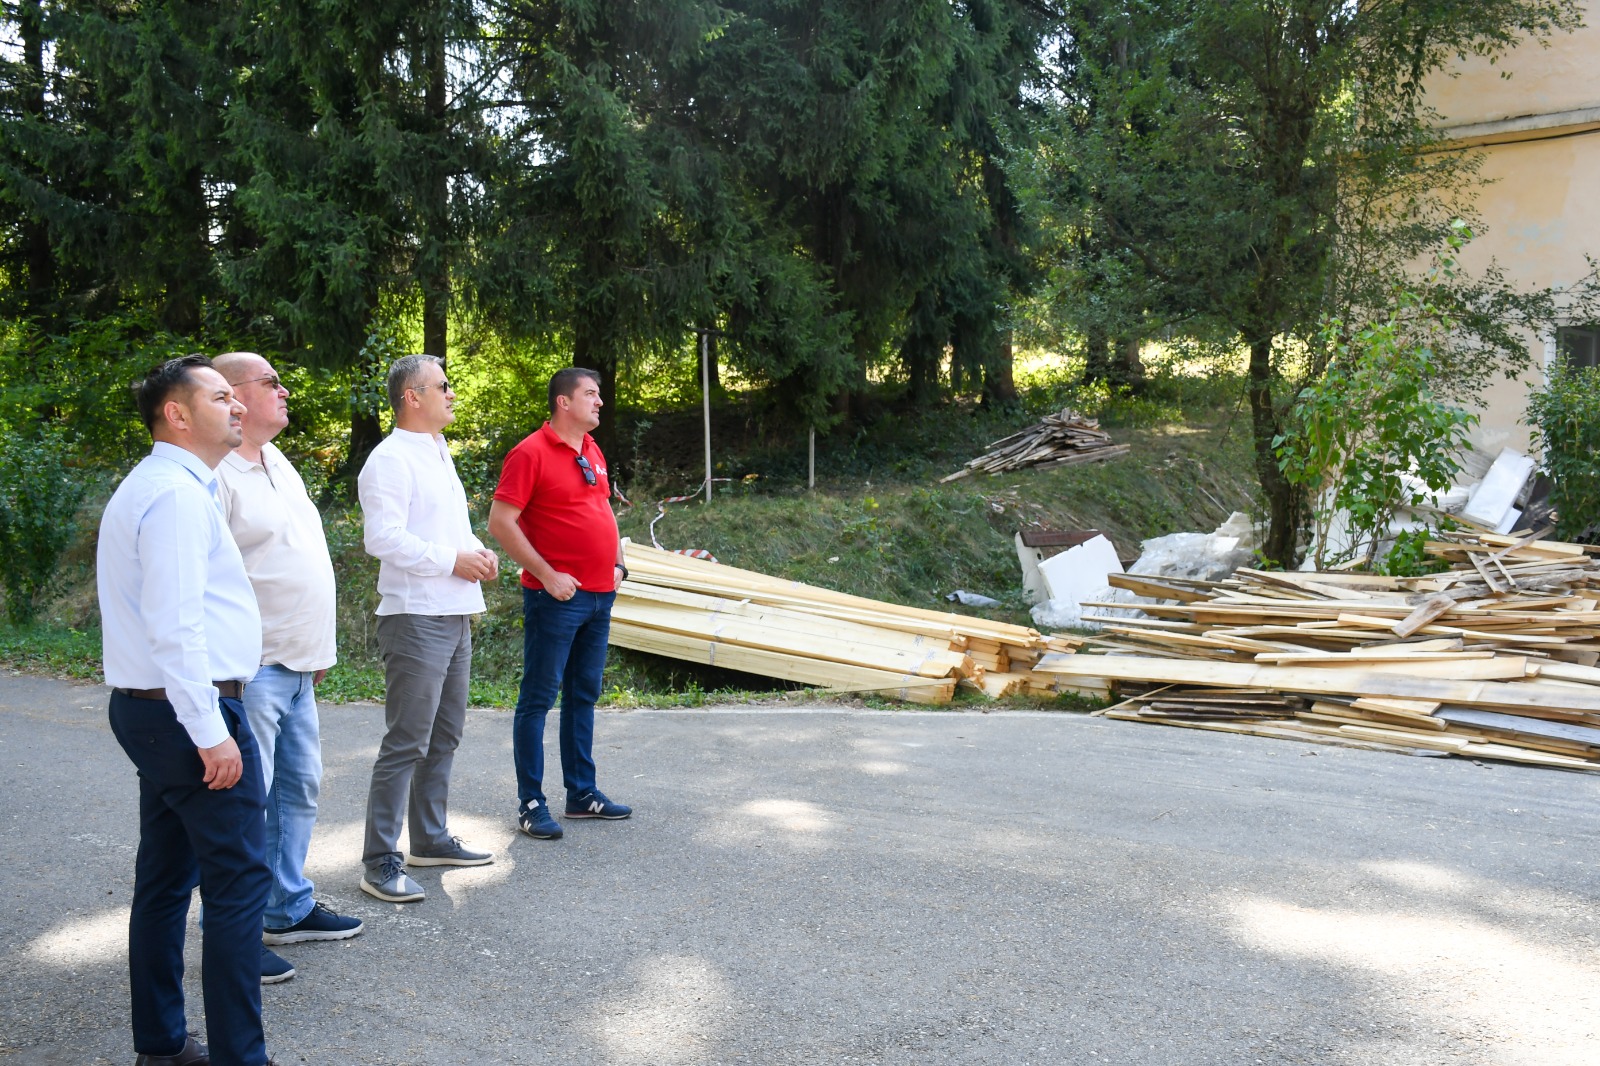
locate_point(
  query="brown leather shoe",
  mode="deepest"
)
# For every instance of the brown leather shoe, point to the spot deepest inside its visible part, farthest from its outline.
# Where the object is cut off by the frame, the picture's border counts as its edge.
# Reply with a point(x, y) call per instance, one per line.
point(194, 1053)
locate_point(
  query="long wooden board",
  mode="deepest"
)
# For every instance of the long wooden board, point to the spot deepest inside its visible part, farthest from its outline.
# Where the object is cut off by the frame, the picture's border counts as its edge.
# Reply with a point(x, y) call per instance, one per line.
point(1493, 694)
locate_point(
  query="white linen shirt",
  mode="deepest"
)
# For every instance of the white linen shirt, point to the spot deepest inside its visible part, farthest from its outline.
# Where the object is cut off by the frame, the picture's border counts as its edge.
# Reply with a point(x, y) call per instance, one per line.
point(414, 512)
point(279, 533)
point(176, 609)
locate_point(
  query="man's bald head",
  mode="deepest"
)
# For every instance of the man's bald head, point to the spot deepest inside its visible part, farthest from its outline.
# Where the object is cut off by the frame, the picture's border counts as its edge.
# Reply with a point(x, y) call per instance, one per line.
point(263, 395)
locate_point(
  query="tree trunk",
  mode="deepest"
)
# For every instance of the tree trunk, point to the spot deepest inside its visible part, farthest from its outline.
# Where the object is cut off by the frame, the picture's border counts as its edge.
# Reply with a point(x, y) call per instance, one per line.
point(36, 250)
point(180, 309)
point(1097, 364)
point(1285, 502)
point(999, 386)
point(590, 354)
point(1128, 367)
point(435, 255)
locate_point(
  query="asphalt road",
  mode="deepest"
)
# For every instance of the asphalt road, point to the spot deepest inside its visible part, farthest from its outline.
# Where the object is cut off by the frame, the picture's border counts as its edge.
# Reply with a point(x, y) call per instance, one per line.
point(854, 887)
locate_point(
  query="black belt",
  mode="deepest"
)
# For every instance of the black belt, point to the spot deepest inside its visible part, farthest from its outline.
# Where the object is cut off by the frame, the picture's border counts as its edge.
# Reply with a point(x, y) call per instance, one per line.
point(233, 690)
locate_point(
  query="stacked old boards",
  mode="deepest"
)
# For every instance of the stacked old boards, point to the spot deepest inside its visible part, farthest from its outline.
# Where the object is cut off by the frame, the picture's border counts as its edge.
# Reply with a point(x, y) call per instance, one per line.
point(1056, 440)
point(1494, 658)
point(707, 612)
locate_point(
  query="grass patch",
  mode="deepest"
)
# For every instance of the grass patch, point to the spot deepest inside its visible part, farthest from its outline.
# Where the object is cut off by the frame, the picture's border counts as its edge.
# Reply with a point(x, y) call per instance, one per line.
point(57, 650)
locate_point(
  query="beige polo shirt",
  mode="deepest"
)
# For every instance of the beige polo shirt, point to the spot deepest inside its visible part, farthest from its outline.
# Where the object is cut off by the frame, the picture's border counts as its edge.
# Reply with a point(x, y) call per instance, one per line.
point(279, 533)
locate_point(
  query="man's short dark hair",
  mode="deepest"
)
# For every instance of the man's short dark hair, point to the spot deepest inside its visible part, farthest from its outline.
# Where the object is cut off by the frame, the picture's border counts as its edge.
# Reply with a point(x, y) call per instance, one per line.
point(565, 382)
point(161, 382)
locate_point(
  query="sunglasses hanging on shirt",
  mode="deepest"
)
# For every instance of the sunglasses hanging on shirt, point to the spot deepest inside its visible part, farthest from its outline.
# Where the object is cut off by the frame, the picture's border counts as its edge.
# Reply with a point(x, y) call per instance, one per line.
point(588, 471)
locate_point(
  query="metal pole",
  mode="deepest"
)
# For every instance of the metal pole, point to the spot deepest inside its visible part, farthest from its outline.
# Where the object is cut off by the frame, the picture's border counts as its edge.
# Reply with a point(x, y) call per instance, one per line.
point(705, 401)
point(811, 478)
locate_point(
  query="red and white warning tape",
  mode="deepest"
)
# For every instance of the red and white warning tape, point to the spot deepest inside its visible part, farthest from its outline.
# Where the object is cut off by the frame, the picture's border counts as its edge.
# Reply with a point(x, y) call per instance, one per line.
point(661, 511)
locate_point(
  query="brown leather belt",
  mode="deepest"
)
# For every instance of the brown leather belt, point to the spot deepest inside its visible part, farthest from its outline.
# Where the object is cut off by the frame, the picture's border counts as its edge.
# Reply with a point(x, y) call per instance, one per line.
point(233, 690)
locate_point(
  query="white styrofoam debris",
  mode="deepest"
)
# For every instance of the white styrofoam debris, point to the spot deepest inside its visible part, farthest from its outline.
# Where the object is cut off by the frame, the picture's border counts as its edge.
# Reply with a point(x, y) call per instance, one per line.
point(1497, 493)
point(1078, 571)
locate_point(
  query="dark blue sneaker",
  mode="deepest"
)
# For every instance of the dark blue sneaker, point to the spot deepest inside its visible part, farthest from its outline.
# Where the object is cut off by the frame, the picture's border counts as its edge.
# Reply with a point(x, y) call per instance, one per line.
point(275, 968)
point(537, 823)
point(319, 924)
point(593, 804)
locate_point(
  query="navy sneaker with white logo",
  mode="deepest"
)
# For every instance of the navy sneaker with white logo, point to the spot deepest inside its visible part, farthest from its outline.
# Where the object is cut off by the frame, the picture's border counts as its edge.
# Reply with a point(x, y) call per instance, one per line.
point(593, 804)
point(537, 823)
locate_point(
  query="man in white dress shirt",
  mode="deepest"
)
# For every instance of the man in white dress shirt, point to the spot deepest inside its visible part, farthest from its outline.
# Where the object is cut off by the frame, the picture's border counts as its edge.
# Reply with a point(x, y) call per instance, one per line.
point(279, 533)
point(416, 524)
point(181, 635)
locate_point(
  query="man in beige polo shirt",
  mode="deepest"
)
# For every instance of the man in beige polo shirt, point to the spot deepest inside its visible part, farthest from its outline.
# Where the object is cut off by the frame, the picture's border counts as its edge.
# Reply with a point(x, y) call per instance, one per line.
point(279, 533)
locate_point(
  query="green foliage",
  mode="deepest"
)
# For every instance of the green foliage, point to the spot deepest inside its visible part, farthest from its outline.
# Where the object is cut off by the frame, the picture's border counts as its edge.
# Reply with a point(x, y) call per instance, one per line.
point(1565, 418)
point(1409, 557)
point(1243, 172)
point(79, 377)
point(51, 649)
point(1371, 420)
point(39, 498)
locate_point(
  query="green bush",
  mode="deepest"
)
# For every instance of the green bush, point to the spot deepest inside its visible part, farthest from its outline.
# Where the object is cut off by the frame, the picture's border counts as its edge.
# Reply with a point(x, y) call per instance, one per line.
point(80, 376)
point(39, 499)
point(1565, 418)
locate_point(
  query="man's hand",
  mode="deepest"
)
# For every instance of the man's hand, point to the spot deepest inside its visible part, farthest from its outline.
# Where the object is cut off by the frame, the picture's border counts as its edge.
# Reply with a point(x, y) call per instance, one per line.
point(561, 586)
point(318, 677)
point(472, 566)
point(224, 765)
point(494, 563)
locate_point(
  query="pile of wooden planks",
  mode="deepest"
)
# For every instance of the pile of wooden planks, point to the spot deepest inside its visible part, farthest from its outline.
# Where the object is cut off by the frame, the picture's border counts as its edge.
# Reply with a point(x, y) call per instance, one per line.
point(1494, 658)
point(1058, 440)
point(719, 615)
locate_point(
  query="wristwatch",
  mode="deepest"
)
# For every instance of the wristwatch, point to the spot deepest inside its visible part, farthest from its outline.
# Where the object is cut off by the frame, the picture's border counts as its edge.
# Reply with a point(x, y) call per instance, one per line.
point(624, 569)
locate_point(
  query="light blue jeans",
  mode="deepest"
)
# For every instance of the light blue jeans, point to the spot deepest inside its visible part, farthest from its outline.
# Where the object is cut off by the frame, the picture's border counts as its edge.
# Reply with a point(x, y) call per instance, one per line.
point(282, 708)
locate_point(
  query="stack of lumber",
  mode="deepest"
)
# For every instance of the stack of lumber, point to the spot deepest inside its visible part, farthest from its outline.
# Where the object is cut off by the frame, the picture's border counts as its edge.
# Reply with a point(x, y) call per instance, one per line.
point(1494, 658)
point(719, 615)
point(1058, 440)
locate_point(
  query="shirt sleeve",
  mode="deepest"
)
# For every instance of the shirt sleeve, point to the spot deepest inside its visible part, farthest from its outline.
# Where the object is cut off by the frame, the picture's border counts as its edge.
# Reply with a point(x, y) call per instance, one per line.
point(174, 553)
point(385, 488)
point(517, 477)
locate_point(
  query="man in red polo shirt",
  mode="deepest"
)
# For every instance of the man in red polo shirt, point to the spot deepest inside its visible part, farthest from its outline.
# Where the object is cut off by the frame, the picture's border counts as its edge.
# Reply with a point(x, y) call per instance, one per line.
point(552, 514)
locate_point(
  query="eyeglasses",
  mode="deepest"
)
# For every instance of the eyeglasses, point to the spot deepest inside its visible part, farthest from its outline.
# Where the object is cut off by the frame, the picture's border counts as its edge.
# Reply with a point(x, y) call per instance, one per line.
point(273, 382)
point(442, 383)
point(588, 471)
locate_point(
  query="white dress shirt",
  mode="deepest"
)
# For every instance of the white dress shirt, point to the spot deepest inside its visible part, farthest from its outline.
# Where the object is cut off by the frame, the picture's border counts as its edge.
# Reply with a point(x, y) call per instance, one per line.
point(414, 511)
point(279, 533)
point(176, 609)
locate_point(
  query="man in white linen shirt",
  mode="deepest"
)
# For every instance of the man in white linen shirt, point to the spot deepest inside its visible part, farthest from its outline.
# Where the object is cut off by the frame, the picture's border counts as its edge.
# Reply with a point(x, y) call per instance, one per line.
point(279, 533)
point(416, 524)
point(181, 634)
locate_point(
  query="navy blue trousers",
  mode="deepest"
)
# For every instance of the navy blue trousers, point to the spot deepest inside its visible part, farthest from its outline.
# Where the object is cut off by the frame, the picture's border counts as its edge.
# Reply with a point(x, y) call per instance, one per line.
point(563, 648)
point(191, 835)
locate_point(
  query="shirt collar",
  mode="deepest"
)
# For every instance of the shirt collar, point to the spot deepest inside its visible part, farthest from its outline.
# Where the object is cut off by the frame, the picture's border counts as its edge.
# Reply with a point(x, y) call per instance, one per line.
point(411, 436)
point(186, 459)
point(556, 438)
point(240, 463)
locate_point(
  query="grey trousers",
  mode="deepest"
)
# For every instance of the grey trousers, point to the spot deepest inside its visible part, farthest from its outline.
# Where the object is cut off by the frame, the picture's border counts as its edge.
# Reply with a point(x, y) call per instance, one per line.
point(426, 661)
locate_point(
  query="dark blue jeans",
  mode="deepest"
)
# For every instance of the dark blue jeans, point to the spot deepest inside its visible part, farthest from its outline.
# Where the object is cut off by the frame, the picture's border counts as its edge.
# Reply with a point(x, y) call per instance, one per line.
point(191, 835)
point(563, 648)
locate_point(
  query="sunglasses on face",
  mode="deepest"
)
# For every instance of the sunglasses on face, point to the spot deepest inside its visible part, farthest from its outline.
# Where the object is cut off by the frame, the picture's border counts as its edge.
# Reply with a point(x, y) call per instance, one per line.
point(588, 471)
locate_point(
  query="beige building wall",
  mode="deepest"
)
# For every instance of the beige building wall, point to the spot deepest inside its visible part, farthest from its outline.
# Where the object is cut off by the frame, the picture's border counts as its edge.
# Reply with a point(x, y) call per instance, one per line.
point(1535, 116)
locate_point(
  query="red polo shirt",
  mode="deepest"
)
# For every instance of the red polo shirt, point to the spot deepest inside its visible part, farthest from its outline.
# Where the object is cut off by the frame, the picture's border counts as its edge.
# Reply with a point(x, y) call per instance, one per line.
point(567, 520)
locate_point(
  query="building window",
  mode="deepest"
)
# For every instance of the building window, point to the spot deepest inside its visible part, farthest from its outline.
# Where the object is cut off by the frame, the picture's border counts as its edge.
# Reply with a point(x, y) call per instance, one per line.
point(1579, 345)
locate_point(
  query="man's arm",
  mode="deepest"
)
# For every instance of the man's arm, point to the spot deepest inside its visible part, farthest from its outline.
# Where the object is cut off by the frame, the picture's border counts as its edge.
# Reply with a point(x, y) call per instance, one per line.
point(385, 489)
point(504, 529)
point(173, 556)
